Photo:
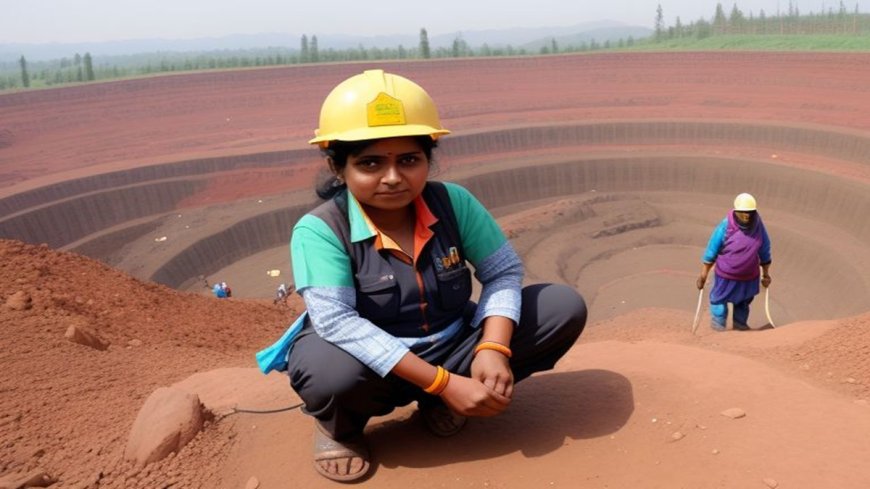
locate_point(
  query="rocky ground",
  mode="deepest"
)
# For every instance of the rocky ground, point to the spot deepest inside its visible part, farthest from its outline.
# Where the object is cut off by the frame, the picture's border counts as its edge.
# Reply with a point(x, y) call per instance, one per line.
point(638, 402)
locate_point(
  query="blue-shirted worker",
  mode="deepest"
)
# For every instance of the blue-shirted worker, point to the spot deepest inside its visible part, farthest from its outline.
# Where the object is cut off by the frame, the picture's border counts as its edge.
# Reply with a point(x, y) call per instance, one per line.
point(738, 246)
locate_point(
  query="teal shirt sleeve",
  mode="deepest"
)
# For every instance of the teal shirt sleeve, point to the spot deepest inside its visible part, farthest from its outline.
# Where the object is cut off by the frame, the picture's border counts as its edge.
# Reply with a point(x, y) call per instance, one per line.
point(497, 266)
point(717, 239)
point(481, 236)
point(318, 256)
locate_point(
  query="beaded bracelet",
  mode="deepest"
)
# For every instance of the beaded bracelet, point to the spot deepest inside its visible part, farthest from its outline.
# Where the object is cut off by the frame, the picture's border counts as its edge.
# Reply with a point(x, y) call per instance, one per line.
point(442, 376)
point(492, 345)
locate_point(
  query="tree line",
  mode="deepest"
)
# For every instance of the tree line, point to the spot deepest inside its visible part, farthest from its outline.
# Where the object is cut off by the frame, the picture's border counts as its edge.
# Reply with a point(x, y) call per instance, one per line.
point(82, 69)
point(66, 70)
point(833, 21)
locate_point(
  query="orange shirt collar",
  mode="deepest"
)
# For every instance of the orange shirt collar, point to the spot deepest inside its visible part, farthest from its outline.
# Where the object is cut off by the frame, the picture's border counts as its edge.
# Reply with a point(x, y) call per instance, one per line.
point(422, 232)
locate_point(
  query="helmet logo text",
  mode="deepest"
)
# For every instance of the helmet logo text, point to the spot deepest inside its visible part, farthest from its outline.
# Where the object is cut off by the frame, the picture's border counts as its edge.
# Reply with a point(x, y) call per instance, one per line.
point(385, 111)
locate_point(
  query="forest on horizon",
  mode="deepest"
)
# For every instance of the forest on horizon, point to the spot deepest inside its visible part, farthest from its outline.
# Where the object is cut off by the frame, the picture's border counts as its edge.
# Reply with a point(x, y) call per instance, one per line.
point(835, 30)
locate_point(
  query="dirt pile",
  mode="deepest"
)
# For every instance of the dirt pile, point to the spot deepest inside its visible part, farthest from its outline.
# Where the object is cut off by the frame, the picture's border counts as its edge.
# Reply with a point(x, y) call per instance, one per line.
point(67, 408)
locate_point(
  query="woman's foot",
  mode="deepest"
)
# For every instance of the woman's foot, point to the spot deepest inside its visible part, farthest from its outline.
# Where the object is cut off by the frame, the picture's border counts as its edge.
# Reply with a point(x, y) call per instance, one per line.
point(716, 325)
point(344, 461)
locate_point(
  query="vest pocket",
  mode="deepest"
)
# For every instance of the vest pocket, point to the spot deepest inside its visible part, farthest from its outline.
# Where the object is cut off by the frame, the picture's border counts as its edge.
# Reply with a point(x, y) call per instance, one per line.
point(377, 296)
point(454, 288)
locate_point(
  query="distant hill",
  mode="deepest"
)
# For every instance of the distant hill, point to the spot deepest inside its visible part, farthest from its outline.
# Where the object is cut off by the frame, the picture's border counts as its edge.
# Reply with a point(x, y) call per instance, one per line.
point(517, 37)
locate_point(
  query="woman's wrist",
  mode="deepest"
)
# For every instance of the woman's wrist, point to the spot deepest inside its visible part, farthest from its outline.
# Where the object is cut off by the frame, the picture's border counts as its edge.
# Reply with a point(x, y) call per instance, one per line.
point(442, 377)
point(495, 346)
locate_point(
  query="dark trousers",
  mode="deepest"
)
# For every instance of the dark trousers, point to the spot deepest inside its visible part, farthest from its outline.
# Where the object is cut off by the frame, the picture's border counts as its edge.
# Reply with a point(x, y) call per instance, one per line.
point(343, 394)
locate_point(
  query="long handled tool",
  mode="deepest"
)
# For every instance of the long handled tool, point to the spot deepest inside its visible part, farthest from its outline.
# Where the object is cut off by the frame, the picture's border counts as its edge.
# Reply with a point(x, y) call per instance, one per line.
point(767, 305)
point(698, 311)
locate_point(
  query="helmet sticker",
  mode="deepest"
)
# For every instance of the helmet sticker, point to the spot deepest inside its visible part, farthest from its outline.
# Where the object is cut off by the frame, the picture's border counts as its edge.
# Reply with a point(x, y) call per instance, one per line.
point(385, 111)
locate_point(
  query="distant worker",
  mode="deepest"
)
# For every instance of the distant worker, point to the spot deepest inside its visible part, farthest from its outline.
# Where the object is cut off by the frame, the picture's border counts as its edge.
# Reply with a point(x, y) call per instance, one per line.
point(222, 290)
point(737, 247)
point(281, 294)
point(219, 291)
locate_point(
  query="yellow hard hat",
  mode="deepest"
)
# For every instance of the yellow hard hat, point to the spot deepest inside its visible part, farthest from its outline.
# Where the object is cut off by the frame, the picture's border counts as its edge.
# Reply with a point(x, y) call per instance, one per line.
point(744, 202)
point(375, 105)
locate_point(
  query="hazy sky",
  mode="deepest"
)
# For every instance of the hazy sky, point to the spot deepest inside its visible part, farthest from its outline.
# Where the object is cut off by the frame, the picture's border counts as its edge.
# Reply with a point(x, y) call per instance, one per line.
point(36, 21)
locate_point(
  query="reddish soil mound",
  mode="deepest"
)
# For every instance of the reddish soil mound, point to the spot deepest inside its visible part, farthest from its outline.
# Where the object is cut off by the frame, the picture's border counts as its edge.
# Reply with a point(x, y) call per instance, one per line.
point(67, 407)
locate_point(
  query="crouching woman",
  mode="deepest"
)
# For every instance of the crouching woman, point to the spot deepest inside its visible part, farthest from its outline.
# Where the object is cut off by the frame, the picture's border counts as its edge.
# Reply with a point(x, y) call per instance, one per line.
point(382, 266)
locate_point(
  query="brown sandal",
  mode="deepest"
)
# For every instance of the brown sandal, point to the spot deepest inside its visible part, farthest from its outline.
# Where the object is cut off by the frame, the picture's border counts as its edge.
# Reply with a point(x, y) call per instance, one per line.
point(340, 461)
point(441, 421)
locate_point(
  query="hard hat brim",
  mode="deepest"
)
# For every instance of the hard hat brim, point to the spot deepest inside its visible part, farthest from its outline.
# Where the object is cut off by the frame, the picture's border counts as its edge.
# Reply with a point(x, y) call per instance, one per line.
point(383, 132)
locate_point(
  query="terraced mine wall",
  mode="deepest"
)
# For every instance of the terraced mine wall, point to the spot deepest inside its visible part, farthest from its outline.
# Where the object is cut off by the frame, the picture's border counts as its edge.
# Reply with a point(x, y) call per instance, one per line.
point(68, 211)
point(73, 211)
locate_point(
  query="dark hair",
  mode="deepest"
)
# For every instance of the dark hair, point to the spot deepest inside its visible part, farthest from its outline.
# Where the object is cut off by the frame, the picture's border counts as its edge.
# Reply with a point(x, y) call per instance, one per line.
point(338, 151)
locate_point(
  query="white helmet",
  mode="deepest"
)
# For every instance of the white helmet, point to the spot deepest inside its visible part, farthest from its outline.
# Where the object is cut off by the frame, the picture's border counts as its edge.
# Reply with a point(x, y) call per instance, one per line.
point(745, 202)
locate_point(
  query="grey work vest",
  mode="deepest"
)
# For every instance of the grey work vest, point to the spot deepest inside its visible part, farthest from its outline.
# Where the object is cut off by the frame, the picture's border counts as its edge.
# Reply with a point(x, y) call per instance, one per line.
point(387, 291)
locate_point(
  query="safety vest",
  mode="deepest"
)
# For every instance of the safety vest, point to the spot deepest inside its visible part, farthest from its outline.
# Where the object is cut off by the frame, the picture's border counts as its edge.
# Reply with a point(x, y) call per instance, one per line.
point(407, 299)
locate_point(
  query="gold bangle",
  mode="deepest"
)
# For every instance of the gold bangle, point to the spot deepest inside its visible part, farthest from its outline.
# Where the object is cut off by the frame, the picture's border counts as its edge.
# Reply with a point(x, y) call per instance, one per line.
point(492, 345)
point(439, 383)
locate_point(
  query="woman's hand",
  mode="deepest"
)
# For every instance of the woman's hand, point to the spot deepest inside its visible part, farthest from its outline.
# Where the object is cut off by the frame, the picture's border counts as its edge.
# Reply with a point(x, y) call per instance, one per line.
point(765, 281)
point(702, 278)
point(470, 397)
point(491, 368)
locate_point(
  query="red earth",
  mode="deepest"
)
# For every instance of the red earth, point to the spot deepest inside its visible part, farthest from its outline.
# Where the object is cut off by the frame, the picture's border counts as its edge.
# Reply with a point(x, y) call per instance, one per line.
point(637, 402)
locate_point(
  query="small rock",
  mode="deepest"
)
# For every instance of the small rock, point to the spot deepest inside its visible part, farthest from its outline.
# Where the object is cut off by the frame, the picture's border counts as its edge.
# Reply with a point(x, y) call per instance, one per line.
point(715, 451)
point(733, 413)
point(34, 478)
point(850, 380)
point(79, 335)
point(135, 342)
point(677, 436)
point(772, 484)
point(19, 301)
point(252, 483)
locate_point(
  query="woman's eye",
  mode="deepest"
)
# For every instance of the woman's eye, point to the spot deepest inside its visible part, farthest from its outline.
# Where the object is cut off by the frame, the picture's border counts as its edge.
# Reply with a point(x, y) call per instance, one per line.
point(367, 164)
point(409, 160)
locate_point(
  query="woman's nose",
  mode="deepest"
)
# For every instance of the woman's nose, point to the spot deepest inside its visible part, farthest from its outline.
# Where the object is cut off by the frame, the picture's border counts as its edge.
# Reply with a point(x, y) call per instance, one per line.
point(391, 176)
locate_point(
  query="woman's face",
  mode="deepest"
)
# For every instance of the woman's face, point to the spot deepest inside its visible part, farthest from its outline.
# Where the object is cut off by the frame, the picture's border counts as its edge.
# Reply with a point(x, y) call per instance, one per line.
point(388, 174)
point(743, 217)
